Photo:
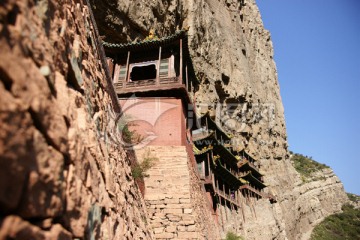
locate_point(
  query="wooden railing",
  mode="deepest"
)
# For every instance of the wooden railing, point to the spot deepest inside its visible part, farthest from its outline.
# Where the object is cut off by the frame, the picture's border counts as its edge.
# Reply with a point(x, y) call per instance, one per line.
point(141, 83)
point(253, 166)
point(243, 174)
point(122, 85)
point(252, 189)
point(233, 172)
point(227, 197)
point(118, 85)
point(169, 80)
point(250, 164)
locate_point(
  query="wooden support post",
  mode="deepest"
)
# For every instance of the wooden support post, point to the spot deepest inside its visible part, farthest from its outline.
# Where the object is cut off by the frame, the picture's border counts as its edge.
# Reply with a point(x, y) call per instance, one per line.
point(225, 207)
point(127, 70)
point(187, 79)
point(110, 63)
point(223, 188)
point(213, 180)
point(181, 62)
point(116, 73)
point(191, 88)
point(203, 168)
point(208, 160)
point(158, 68)
point(237, 195)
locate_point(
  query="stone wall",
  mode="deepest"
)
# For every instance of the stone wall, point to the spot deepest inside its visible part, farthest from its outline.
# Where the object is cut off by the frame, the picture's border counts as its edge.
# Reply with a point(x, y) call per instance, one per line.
point(176, 202)
point(62, 173)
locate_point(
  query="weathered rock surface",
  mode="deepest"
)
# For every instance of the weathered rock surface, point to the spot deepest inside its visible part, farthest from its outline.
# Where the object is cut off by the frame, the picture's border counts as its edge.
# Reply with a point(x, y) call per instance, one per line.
point(62, 173)
point(233, 58)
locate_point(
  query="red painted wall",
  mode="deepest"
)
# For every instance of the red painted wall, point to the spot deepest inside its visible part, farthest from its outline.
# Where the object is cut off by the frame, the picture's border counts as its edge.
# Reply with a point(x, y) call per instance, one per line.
point(160, 120)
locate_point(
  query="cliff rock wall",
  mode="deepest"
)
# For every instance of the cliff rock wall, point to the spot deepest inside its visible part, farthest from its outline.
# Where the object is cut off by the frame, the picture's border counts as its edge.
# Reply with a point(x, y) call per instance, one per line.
point(233, 58)
point(62, 173)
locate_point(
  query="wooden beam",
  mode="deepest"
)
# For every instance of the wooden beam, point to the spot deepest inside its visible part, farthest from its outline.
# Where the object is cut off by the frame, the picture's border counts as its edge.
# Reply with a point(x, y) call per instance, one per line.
point(208, 160)
point(186, 78)
point(203, 168)
point(237, 197)
point(116, 73)
point(110, 63)
point(127, 70)
point(213, 180)
point(158, 68)
point(181, 61)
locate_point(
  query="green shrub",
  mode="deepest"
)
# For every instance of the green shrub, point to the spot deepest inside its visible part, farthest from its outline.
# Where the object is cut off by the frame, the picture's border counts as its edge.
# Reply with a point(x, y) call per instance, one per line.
point(139, 169)
point(345, 225)
point(353, 197)
point(128, 136)
point(232, 236)
point(306, 166)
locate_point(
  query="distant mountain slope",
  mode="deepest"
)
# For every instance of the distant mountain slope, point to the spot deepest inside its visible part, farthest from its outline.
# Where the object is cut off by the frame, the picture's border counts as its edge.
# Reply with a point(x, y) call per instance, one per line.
point(345, 225)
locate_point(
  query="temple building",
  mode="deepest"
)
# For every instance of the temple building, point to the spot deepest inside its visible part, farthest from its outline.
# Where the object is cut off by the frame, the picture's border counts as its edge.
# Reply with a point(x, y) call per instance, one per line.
point(157, 77)
point(155, 83)
point(198, 172)
point(229, 176)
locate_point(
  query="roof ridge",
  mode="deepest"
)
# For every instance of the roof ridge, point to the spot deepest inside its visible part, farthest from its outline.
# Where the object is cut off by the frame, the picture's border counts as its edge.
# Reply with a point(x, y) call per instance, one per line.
point(122, 45)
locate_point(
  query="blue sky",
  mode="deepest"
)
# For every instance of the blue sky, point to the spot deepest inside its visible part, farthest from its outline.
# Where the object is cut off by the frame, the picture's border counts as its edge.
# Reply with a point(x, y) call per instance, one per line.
point(317, 54)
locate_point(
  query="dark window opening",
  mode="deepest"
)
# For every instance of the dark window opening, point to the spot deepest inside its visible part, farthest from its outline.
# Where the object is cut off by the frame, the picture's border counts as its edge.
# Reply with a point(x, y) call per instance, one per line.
point(143, 72)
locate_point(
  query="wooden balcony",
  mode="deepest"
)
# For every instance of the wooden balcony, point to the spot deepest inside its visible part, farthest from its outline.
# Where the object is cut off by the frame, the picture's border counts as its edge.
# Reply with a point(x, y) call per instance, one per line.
point(169, 83)
point(227, 197)
point(248, 187)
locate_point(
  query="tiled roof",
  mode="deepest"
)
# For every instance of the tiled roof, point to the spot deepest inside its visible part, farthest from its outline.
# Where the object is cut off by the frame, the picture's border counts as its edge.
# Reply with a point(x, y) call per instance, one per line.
point(202, 151)
point(253, 180)
point(149, 43)
point(113, 49)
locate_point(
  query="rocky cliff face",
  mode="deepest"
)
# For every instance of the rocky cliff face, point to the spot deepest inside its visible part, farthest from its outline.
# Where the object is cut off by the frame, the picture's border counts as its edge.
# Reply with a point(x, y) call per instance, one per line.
point(62, 173)
point(233, 58)
point(61, 176)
